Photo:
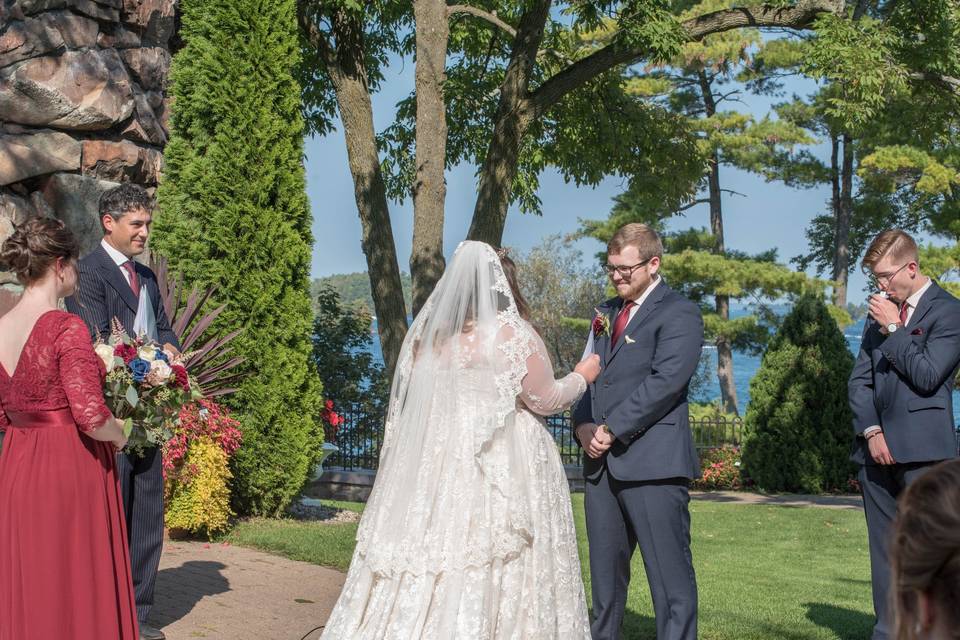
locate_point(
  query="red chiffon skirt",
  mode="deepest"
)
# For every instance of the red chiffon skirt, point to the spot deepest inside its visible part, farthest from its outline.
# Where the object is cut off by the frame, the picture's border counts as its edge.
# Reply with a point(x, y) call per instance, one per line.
point(64, 563)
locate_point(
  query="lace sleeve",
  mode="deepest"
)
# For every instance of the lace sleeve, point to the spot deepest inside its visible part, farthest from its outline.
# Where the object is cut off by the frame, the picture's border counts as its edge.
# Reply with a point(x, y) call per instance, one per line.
point(541, 392)
point(4, 420)
point(81, 373)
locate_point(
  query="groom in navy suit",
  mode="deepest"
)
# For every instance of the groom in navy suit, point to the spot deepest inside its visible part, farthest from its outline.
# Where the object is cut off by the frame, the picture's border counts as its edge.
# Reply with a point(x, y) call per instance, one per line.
point(901, 393)
point(110, 286)
point(633, 425)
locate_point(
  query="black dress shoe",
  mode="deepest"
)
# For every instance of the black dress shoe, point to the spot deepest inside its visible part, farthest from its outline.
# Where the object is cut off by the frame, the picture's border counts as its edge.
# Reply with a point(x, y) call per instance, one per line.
point(149, 633)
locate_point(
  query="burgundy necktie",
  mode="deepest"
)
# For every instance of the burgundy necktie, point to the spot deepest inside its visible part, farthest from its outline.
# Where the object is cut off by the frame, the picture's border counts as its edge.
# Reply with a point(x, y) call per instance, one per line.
point(903, 313)
point(132, 272)
point(622, 319)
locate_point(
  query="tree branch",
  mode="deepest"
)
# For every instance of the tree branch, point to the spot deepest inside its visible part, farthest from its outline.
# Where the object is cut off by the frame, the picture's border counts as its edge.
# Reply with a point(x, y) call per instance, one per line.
point(798, 16)
point(692, 204)
point(492, 18)
point(949, 82)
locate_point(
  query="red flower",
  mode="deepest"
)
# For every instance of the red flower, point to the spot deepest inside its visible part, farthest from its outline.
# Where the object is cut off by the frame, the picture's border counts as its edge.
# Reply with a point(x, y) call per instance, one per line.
point(125, 351)
point(183, 380)
point(329, 405)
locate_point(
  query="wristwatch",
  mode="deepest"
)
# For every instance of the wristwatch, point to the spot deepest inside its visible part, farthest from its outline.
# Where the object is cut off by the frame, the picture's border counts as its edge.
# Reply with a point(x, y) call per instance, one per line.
point(893, 326)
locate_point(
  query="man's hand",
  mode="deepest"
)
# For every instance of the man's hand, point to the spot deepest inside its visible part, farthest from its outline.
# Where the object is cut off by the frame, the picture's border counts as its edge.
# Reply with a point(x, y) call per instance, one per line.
point(587, 435)
point(884, 311)
point(585, 432)
point(878, 449)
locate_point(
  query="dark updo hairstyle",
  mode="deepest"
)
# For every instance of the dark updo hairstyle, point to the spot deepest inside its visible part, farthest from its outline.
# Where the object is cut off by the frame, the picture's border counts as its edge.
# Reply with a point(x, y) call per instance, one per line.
point(35, 246)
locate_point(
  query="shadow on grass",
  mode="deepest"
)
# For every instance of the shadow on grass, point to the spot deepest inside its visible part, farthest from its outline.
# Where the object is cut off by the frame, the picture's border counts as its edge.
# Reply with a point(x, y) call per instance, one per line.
point(847, 624)
point(638, 627)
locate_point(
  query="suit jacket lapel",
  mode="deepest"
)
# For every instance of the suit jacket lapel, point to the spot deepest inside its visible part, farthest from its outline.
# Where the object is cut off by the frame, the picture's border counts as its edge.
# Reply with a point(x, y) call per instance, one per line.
point(926, 302)
point(111, 274)
point(642, 313)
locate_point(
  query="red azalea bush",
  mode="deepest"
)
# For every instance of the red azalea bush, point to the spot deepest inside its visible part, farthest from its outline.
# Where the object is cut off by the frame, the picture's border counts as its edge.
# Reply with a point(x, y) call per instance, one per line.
point(720, 469)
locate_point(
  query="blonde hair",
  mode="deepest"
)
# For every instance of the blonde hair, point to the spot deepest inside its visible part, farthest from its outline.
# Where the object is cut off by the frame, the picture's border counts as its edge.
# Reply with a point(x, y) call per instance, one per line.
point(925, 552)
point(637, 235)
point(893, 242)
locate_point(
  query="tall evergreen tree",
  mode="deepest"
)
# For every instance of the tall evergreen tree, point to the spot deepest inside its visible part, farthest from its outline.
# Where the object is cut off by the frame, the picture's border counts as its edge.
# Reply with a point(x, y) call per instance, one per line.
point(233, 211)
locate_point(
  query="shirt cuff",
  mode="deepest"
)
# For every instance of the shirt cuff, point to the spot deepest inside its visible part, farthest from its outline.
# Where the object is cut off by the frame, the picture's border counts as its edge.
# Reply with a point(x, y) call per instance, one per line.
point(870, 430)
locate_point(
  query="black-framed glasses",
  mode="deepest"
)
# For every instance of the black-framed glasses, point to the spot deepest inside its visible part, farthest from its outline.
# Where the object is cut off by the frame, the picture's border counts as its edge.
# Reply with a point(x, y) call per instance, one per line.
point(624, 271)
point(875, 279)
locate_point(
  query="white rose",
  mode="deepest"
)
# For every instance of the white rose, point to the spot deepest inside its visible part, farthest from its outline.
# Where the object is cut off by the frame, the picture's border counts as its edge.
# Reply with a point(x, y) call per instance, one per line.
point(159, 373)
point(105, 352)
point(147, 352)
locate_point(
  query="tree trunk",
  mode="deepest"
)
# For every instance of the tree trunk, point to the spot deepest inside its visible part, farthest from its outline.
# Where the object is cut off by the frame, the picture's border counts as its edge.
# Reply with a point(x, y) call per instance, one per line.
point(843, 211)
point(348, 73)
point(728, 387)
point(429, 189)
point(513, 117)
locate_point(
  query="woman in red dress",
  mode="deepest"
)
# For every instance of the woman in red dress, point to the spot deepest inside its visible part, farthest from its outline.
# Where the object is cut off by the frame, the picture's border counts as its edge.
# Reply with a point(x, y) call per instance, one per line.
point(64, 564)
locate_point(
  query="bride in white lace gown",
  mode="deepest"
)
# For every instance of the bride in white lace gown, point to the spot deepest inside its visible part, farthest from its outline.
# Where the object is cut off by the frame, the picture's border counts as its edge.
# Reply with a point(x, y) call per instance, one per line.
point(468, 533)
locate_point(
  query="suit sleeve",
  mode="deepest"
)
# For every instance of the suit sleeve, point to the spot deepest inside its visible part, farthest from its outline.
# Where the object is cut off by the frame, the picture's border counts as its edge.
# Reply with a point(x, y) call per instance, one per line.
point(583, 410)
point(675, 360)
point(89, 302)
point(926, 368)
point(860, 387)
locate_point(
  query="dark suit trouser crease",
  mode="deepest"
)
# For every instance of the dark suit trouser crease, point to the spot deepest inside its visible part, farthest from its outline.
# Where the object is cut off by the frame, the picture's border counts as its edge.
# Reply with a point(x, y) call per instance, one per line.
point(141, 481)
point(620, 515)
point(881, 486)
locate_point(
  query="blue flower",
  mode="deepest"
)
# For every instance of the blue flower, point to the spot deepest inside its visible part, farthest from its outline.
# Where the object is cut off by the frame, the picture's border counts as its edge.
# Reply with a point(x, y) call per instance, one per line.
point(162, 355)
point(139, 368)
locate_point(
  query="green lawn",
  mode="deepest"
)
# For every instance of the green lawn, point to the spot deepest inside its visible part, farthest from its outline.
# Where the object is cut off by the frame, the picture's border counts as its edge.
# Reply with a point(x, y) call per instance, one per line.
point(764, 572)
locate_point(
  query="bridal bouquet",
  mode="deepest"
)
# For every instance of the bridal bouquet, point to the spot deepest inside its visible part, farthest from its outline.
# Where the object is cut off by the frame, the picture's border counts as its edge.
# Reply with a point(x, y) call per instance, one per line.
point(145, 387)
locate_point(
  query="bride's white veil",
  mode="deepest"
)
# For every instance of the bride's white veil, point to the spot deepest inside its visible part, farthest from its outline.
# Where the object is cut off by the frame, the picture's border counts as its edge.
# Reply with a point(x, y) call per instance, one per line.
point(450, 490)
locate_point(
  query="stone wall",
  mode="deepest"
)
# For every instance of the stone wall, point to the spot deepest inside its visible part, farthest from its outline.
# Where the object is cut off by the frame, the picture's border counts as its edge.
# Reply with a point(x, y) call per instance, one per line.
point(83, 106)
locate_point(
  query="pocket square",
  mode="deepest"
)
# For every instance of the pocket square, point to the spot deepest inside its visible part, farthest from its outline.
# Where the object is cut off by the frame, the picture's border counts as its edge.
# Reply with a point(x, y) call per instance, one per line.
point(917, 332)
point(628, 340)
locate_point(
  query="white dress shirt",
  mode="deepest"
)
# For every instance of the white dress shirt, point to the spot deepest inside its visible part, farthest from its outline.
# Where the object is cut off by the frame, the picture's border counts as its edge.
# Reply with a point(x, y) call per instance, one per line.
point(117, 257)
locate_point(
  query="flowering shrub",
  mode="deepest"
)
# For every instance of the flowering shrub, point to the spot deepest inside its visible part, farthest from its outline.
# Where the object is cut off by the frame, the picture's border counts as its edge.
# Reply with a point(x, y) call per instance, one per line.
point(331, 420)
point(200, 499)
point(720, 468)
point(195, 468)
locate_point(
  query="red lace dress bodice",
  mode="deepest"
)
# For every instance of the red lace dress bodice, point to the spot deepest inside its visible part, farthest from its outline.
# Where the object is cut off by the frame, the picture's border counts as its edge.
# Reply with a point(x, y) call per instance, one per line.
point(58, 369)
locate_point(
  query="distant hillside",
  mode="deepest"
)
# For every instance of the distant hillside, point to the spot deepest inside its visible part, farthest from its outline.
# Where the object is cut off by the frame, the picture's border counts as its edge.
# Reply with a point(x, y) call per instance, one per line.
point(354, 288)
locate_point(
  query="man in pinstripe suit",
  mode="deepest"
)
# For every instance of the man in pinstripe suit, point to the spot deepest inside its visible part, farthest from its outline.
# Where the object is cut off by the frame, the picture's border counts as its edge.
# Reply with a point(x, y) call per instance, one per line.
point(110, 286)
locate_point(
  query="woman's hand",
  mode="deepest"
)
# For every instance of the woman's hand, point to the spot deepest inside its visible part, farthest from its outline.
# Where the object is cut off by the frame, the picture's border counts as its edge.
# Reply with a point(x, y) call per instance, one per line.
point(589, 368)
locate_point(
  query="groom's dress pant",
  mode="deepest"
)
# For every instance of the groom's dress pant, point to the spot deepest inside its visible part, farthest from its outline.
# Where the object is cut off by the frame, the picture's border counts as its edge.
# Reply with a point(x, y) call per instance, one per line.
point(654, 515)
point(881, 485)
point(141, 482)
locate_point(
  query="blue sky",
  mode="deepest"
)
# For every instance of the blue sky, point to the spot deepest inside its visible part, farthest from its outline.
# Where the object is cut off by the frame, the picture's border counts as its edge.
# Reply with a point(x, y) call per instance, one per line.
point(771, 215)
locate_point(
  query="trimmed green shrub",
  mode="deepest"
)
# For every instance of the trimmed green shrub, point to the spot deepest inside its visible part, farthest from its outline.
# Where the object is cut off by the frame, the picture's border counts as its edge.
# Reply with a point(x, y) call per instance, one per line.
point(797, 427)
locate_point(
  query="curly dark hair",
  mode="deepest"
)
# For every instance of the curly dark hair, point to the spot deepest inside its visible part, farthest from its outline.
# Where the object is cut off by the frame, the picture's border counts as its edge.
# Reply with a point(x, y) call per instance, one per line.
point(35, 246)
point(122, 199)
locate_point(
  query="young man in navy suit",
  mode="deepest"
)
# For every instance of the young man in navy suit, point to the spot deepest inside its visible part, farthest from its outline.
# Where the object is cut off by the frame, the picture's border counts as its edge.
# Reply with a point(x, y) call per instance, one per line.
point(111, 285)
point(901, 393)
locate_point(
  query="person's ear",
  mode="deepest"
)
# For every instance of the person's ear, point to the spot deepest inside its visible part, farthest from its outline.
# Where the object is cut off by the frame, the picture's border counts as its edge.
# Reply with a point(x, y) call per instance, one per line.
point(107, 222)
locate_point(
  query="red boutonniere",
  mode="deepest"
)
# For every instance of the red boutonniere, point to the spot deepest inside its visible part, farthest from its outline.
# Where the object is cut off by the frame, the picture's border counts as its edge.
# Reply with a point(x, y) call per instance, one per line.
point(601, 324)
point(917, 332)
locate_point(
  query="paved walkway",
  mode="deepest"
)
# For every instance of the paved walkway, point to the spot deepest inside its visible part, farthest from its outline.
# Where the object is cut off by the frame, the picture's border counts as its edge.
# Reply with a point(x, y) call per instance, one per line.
point(222, 591)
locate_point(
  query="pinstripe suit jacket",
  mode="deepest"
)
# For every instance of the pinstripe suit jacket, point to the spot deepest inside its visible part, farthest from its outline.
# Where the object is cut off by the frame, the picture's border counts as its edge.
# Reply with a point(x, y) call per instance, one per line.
point(103, 293)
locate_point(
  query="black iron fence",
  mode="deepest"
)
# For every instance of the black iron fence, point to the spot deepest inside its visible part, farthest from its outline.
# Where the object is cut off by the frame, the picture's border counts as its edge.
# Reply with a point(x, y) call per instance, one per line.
point(360, 436)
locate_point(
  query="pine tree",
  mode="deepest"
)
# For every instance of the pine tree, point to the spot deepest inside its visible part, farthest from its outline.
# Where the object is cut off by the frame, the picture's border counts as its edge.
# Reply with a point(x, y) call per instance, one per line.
point(233, 211)
point(798, 422)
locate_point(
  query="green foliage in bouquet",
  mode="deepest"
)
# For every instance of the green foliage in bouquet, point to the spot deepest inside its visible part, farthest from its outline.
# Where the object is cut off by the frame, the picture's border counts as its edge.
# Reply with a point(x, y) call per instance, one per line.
point(797, 428)
point(234, 214)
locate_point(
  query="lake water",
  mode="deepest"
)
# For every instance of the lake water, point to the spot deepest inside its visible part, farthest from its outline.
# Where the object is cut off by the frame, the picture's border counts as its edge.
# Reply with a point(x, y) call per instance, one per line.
point(744, 367)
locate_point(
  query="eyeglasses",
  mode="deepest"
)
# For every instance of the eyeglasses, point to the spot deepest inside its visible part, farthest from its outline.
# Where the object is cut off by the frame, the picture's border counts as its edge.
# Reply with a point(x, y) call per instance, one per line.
point(875, 279)
point(624, 271)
